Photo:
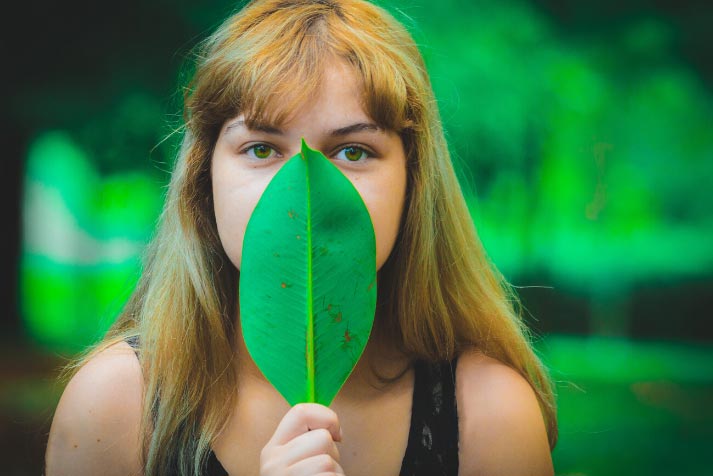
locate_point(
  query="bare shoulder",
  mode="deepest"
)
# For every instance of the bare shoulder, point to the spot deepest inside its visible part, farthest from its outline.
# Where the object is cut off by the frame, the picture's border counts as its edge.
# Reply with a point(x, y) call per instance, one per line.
point(95, 429)
point(502, 431)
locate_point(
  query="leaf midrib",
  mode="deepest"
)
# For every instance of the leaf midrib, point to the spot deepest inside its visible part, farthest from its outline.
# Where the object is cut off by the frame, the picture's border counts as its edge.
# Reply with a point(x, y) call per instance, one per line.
point(310, 317)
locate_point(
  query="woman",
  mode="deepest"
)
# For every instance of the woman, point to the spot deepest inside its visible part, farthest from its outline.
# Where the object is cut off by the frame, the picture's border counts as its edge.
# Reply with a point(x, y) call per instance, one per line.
point(448, 383)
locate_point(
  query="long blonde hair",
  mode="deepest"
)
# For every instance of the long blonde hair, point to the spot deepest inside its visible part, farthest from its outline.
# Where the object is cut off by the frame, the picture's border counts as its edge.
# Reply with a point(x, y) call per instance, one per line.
point(438, 293)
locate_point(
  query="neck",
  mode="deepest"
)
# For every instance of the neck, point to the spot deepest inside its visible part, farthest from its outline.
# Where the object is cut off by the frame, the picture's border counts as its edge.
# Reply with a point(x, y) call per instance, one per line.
point(379, 366)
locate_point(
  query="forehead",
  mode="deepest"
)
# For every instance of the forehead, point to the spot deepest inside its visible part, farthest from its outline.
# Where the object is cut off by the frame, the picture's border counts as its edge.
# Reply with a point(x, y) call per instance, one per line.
point(335, 92)
point(269, 72)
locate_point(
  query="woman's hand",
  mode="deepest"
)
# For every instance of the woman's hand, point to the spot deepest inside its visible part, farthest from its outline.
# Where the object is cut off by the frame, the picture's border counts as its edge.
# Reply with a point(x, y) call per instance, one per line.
point(303, 444)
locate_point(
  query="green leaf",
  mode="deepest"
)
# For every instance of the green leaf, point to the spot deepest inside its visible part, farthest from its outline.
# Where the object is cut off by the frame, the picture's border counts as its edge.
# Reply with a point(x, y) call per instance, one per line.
point(308, 279)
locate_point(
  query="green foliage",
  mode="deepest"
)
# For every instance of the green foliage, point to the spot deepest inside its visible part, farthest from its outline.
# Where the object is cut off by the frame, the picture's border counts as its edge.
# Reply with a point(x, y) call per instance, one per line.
point(82, 236)
point(628, 407)
point(588, 156)
point(308, 279)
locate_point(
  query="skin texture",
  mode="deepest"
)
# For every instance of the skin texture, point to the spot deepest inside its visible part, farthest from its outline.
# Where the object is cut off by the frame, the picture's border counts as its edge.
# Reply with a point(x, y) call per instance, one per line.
point(364, 432)
point(500, 424)
point(239, 177)
point(304, 443)
point(95, 429)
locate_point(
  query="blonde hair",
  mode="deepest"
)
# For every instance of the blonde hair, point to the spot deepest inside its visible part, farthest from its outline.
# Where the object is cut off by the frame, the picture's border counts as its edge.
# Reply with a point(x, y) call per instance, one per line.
point(438, 293)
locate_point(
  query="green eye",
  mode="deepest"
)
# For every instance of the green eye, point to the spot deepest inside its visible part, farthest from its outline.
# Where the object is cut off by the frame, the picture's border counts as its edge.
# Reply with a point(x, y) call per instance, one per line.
point(352, 153)
point(262, 151)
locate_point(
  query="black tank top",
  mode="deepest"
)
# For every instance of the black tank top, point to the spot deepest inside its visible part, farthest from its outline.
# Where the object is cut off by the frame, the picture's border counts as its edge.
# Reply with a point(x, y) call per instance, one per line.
point(432, 448)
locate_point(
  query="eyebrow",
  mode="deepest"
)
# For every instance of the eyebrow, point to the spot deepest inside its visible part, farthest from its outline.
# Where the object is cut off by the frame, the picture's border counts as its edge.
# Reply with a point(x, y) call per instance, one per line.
point(358, 127)
point(257, 127)
point(342, 131)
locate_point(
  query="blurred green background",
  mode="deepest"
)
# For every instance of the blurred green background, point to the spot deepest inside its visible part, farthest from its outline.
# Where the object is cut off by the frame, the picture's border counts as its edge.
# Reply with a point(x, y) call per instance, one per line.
point(583, 137)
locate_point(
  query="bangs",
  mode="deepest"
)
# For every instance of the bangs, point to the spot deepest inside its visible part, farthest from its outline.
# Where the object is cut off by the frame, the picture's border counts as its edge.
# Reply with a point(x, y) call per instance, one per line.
point(271, 62)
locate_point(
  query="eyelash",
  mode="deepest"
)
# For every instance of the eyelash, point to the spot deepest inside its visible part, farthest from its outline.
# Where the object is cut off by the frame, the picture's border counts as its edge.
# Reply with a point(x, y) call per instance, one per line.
point(247, 150)
point(369, 154)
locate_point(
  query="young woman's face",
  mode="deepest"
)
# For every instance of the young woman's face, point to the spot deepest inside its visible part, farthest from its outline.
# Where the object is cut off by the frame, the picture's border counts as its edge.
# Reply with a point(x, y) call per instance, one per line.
point(245, 160)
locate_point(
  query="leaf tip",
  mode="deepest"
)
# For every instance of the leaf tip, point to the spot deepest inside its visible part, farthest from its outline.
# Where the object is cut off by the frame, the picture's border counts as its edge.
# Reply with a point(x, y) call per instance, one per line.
point(305, 149)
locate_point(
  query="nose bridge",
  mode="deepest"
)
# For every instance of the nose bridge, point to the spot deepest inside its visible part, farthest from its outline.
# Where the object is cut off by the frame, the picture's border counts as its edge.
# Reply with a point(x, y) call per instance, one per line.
point(313, 135)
